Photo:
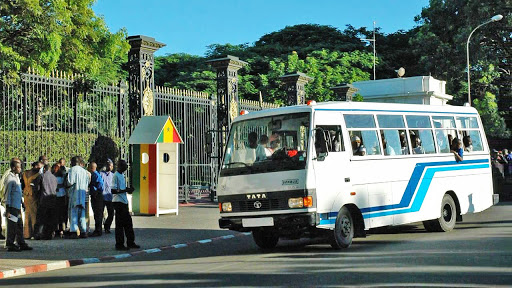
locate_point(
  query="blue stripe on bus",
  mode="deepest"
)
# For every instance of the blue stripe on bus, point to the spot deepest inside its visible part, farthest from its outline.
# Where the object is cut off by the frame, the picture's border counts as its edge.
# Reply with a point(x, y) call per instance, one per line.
point(422, 190)
point(401, 111)
point(414, 181)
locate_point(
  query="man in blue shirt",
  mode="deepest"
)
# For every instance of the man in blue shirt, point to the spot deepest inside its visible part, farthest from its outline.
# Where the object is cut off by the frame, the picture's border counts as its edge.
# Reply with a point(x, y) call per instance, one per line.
point(107, 177)
point(124, 224)
point(13, 203)
point(96, 192)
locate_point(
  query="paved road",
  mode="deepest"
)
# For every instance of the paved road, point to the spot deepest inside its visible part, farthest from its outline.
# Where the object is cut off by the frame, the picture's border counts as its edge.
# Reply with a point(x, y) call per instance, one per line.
point(477, 254)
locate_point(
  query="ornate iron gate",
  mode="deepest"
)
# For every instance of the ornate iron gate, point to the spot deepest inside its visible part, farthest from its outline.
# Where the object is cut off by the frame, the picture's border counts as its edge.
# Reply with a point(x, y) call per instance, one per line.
point(59, 115)
point(193, 114)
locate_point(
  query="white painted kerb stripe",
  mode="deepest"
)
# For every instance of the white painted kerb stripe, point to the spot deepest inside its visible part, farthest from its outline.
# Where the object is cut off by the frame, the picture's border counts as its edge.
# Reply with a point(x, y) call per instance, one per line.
point(14, 272)
point(57, 265)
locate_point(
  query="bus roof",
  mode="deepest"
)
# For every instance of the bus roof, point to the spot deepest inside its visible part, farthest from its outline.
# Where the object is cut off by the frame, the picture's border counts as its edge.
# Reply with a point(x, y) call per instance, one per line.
point(371, 107)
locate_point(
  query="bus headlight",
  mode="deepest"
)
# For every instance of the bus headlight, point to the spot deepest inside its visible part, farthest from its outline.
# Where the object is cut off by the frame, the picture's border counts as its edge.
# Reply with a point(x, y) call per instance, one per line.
point(226, 207)
point(296, 202)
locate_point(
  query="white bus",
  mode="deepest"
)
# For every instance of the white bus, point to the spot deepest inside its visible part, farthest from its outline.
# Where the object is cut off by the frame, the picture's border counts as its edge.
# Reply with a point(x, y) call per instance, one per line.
point(337, 169)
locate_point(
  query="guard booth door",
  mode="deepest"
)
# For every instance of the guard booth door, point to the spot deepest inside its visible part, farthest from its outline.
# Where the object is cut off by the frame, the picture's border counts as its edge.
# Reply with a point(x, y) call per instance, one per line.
point(167, 178)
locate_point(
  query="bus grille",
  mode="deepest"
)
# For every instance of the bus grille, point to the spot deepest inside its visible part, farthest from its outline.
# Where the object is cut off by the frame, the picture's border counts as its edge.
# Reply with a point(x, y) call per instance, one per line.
point(266, 205)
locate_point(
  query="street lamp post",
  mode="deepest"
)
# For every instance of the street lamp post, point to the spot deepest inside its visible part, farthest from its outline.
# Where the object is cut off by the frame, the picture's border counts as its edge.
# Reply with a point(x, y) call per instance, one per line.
point(374, 54)
point(493, 19)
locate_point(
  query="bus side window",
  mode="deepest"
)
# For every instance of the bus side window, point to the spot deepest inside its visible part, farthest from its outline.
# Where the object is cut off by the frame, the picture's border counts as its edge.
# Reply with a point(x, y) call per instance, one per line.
point(365, 142)
point(422, 141)
point(320, 141)
point(394, 142)
point(471, 138)
point(472, 141)
point(333, 137)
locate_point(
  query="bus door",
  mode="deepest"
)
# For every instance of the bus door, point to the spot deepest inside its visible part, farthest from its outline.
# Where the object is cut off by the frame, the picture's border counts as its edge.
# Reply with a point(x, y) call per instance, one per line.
point(330, 166)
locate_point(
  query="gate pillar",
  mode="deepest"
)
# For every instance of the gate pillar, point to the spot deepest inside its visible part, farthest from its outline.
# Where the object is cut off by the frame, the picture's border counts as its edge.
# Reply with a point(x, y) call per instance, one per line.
point(227, 88)
point(141, 81)
point(294, 85)
point(344, 92)
point(227, 101)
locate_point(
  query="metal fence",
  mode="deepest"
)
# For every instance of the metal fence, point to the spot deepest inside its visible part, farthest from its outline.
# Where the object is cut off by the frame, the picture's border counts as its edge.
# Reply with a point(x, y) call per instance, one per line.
point(251, 105)
point(192, 113)
point(59, 115)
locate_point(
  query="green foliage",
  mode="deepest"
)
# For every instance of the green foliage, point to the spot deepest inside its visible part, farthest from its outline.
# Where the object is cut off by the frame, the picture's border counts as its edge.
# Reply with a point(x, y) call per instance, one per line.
point(60, 35)
point(184, 71)
point(306, 38)
point(441, 39)
point(104, 148)
point(494, 124)
point(358, 98)
point(328, 69)
point(323, 52)
point(54, 145)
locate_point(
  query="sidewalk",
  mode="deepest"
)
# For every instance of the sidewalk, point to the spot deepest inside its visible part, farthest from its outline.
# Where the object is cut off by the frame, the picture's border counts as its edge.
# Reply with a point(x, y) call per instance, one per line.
point(195, 222)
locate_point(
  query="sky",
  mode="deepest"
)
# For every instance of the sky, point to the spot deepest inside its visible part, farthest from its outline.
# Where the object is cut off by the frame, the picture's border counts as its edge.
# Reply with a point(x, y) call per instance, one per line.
point(188, 26)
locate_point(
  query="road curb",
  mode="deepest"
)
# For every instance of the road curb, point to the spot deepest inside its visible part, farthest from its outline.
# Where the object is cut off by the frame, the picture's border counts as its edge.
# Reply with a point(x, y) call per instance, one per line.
point(76, 262)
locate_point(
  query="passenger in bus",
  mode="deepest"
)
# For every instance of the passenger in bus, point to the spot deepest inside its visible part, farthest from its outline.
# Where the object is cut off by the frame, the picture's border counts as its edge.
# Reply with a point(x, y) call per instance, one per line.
point(403, 144)
point(450, 141)
point(416, 145)
point(388, 150)
point(457, 149)
point(274, 142)
point(250, 153)
point(441, 142)
point(468, 143)
point(262, 151)
point(357, 148)
point(334, 140)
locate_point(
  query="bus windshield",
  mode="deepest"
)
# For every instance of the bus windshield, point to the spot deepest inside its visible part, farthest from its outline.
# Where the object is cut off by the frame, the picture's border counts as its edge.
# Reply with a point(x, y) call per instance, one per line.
point(267, 144)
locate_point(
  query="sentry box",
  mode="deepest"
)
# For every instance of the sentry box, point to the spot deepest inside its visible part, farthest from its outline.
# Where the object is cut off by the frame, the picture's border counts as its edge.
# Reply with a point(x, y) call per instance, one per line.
point(155, 166)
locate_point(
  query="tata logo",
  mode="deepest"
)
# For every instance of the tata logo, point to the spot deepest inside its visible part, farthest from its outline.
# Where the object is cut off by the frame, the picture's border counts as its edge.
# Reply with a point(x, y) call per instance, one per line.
point(256, 196)
point(290, 182)
point(257, 204)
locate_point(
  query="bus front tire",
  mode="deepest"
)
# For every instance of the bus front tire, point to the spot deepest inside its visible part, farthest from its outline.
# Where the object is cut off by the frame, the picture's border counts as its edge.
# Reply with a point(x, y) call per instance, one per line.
point(343, 230)
point(448, 217)
point(265, 239)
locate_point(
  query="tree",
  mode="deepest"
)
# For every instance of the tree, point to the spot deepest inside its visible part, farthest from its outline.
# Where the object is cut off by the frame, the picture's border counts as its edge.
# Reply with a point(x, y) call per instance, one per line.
point(441, 44)
point(60, 35)
point(327, 68)
point(494, 124)
point(184, 71)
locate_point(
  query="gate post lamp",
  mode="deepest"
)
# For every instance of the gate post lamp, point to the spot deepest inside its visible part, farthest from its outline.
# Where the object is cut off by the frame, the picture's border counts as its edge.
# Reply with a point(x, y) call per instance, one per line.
point(493, 19)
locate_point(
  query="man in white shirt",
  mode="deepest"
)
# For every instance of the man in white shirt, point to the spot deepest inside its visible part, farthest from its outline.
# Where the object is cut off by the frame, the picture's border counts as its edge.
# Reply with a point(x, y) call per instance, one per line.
point(124, 224)
point(78, 180)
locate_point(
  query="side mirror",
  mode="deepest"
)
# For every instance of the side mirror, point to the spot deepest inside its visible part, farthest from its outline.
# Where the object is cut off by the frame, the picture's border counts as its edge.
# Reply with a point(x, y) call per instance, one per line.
point(209, 143)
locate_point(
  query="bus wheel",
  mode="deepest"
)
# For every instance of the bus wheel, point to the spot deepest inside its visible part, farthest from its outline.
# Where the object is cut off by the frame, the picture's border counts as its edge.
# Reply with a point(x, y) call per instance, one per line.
point(265, 239)
point(343, 230)
point(448, 217)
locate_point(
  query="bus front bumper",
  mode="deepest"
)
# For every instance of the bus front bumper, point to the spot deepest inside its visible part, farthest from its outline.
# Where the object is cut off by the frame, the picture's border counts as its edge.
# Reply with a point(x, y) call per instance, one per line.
point(282, 222)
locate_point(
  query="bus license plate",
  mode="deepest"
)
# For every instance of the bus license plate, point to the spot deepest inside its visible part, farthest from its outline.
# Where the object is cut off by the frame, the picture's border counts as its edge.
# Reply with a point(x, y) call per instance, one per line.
point(258, 222)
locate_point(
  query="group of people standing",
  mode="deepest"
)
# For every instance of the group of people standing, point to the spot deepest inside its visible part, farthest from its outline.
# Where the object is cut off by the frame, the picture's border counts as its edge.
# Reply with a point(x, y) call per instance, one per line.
point(54, 196)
